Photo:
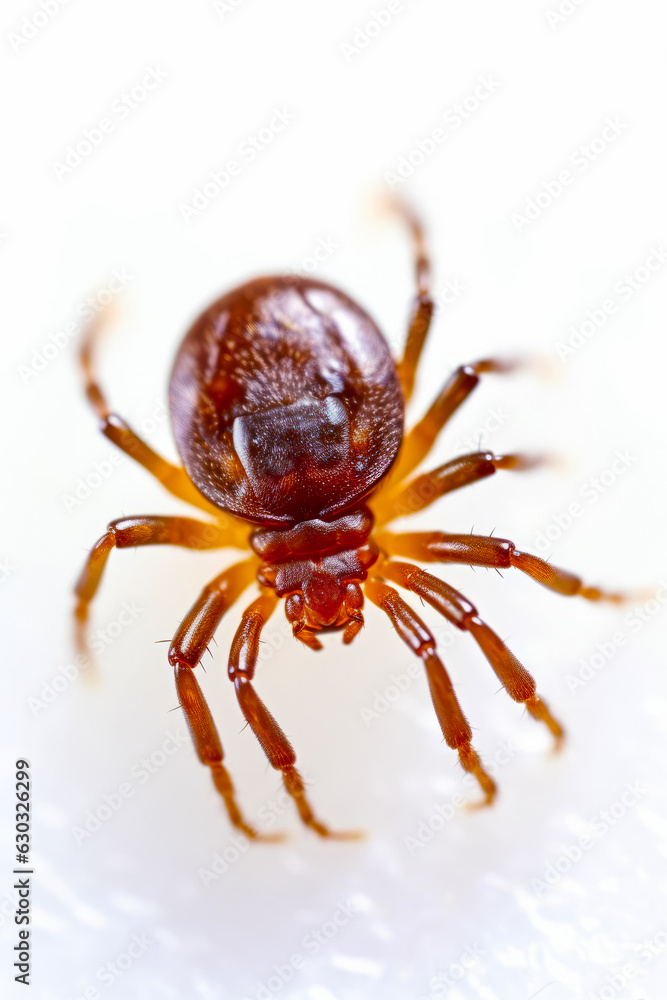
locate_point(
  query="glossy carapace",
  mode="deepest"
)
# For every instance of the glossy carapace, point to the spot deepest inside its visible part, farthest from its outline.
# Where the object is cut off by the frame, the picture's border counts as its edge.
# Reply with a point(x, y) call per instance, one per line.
point(285, 402)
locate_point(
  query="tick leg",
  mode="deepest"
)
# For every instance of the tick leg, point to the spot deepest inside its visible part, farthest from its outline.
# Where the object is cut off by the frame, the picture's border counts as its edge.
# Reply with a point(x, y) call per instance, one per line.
point(462, 471)
point(419, 441)
point(274, 743)
point(453, 723)
point(481, 550)
point(127, 532)
point(172, 477)
point(460, 612)
point(187, 648)
point(422, 309)
point(207, 744)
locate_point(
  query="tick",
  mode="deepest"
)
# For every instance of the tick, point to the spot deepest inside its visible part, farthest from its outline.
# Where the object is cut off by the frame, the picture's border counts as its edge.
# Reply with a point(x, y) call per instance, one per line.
point(288, 409)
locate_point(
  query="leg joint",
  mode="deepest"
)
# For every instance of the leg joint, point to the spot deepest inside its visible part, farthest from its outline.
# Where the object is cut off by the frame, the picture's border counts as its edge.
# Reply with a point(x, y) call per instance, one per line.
point(236, 673)
point(176, 658)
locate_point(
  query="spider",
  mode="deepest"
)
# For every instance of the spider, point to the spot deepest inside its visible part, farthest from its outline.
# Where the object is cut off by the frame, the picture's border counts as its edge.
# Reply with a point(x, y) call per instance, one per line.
point(287, 409)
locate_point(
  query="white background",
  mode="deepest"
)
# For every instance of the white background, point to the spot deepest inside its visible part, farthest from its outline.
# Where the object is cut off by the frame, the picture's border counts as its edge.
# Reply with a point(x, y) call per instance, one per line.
point(469, 911)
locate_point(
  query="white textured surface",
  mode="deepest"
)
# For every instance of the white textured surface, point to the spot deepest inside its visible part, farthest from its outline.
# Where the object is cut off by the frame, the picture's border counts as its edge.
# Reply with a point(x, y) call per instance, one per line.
point(469, 913)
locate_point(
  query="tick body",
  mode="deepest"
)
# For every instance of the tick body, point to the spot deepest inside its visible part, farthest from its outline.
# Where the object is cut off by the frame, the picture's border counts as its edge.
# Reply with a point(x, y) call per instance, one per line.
point(288, 411)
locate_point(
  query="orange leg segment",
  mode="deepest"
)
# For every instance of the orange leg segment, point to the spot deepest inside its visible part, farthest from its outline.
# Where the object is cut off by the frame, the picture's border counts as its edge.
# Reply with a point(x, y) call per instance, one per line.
point(208, 746)
point(453, 723)
point(274, 743)
point(127, 532)
point(419, 441)
point(188, 645)
point(422, 310)
point(481, 550)
point(462, 471)
point(457, 609)
point(173, 477)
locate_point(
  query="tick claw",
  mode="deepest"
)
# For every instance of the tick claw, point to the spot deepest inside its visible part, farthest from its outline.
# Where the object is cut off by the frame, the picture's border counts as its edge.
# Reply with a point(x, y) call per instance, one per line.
point(324, 831)
point(278, 837)
point(479, 804)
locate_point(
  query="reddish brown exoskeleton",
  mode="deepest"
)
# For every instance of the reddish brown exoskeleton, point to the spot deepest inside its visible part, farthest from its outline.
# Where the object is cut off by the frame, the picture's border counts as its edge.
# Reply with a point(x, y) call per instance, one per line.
point(287, 409)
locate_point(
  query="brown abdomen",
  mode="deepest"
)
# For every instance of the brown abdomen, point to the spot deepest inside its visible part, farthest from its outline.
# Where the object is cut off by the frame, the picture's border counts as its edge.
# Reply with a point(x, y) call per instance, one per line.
point(285, 402)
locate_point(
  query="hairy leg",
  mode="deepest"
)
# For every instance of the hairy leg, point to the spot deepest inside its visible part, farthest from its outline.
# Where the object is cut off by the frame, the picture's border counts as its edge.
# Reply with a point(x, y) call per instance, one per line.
point(457, 609)
point(419, 441)
point(453, 723)
point(172, 477)
point(127, 532)
point(422, 309)
point(187, 648)
point(462, 471)
point(481, 550)
point(274, 743)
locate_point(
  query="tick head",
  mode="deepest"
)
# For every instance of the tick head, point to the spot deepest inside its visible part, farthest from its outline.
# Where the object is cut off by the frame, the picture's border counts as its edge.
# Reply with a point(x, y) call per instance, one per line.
point(324, 597)
point(325, 604)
